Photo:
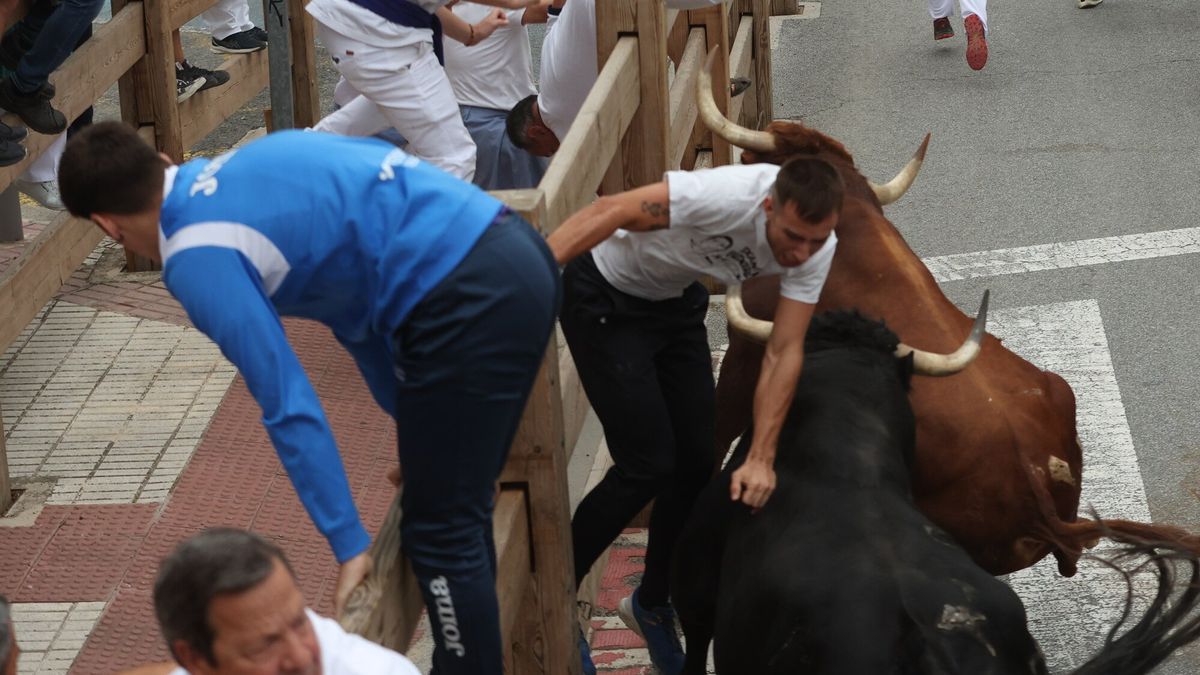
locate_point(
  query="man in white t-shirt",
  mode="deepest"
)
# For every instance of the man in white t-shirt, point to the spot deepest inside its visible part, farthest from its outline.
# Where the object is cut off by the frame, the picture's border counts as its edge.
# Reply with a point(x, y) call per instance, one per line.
point(488, 80)
point(568, 70)
point(227, 602)
point(633, 315)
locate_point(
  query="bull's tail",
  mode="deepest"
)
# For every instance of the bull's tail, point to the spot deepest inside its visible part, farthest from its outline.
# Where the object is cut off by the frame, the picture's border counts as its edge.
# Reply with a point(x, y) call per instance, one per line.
point(1169, 622)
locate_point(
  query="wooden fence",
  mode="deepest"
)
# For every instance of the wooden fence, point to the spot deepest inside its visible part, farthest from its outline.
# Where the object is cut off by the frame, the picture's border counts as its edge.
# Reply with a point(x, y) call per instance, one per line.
point(632, 127)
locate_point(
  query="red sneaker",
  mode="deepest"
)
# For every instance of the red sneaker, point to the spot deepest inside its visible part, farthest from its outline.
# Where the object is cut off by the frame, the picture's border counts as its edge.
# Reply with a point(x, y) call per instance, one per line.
point(942, 28)
point(976, 43)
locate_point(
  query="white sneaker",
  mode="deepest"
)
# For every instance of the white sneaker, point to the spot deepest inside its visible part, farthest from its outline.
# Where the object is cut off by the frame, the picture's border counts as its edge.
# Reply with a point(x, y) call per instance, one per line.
point(44, 192)
point(1084, 4)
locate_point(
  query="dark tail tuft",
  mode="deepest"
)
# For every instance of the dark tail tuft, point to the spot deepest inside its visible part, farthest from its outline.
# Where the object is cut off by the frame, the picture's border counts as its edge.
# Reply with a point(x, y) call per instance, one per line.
point(1169, 622)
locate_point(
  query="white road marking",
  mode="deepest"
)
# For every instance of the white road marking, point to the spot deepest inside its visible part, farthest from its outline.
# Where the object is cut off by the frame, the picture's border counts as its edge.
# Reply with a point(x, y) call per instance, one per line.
point(1070, 617)
point(1064, 255)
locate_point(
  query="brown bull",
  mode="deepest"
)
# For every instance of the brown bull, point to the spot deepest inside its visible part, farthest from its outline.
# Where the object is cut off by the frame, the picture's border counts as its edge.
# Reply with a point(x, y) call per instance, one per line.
point(998, 461)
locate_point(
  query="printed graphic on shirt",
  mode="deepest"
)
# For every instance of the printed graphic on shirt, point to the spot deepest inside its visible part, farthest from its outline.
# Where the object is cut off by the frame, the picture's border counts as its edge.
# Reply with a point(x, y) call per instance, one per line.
point(718, 250)
point(396, 158)
point(206, 180)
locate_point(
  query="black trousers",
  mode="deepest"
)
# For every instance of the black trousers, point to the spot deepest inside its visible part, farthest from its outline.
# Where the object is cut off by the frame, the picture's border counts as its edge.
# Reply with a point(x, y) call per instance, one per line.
point(467, 355)
point(647, 370)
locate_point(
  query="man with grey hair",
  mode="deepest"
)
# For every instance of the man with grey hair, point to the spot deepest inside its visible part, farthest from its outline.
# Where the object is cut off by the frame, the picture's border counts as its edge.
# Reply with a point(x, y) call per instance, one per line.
point(227, 602)
point(9, 651)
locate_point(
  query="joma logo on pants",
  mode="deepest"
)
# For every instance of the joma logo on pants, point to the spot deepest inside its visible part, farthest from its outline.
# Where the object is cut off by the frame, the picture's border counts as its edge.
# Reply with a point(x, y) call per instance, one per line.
point(445, 613)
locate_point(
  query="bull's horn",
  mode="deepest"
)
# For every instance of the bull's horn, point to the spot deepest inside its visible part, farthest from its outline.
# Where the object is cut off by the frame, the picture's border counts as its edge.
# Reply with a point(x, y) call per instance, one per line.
point(735, 311)
point(747, 139)
point(928, 363)
point(896, 187)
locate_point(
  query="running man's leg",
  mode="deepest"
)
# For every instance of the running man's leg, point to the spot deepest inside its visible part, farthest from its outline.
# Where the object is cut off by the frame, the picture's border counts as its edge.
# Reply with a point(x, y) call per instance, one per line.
point(468, 353)
point(412, 94)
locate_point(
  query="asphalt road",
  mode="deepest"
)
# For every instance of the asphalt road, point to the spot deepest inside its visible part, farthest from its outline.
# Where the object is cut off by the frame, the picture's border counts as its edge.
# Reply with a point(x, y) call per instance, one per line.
point(1082, 128)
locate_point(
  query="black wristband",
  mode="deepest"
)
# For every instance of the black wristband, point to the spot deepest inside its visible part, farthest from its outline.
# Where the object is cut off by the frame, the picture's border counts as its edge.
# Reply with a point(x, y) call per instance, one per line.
point(554, 11)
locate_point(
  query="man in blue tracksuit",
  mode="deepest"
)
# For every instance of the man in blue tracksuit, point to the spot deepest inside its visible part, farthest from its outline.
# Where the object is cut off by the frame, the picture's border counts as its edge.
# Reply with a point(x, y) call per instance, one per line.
point(445, 299)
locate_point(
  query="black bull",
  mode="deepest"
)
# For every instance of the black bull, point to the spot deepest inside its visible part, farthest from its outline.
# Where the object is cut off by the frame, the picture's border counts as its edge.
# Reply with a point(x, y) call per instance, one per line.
point(840, 573)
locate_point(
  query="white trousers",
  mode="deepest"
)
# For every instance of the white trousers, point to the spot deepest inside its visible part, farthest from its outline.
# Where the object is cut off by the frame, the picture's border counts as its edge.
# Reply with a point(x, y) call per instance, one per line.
point(404, 88)
point(228, 17)
point(942, 8)
point(45, 167)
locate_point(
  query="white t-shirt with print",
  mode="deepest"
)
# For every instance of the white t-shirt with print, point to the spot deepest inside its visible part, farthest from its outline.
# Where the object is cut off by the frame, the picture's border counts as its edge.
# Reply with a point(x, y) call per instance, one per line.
point(496, 72)
point(345, 653)
point(718, 228)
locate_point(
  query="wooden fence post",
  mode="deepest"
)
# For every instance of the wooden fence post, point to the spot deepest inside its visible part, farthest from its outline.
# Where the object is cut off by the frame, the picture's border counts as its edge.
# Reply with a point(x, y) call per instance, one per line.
point(716, 27)
point(148, 95)
point(306, 103)
point(763, 91)
point(5, 484)
point(545, 636)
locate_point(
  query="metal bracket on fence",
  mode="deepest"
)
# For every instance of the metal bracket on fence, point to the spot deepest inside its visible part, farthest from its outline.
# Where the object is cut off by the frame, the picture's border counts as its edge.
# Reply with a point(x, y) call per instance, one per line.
point(10, 215)
point(275, 15)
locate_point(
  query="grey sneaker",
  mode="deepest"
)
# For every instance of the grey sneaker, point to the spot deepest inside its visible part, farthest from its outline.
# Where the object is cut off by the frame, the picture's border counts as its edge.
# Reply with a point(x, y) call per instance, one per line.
point(259, 33)
point(186, 85)
point(44, 192)
point(1084, 4)
point(239, 43)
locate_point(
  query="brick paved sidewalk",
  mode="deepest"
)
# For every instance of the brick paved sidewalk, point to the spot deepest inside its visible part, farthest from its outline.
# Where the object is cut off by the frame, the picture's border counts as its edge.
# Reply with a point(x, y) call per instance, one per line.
point(128, 432)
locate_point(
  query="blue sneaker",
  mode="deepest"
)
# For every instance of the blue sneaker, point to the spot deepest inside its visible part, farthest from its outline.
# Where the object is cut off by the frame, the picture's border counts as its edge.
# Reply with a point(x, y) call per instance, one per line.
point(656, 626)
point(585, 652)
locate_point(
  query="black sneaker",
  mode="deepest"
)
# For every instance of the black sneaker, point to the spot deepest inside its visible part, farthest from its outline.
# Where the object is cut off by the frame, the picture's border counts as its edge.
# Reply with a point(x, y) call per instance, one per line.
point(11, 152)
point(185, 85)
point(33, 109)
point(212, 78)
point(14, 134)
point(239, 43)
point(259, 33)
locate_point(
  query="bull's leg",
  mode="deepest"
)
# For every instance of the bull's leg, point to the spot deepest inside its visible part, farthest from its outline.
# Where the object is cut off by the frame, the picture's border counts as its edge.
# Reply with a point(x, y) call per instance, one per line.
point(735, 391)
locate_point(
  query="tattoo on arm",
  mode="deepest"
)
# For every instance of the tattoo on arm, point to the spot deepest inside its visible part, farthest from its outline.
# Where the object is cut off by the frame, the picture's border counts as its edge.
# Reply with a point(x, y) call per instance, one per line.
point(659, 213)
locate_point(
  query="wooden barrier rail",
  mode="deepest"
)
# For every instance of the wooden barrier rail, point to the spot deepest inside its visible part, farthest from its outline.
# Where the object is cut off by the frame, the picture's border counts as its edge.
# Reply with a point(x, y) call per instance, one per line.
point(630, 129)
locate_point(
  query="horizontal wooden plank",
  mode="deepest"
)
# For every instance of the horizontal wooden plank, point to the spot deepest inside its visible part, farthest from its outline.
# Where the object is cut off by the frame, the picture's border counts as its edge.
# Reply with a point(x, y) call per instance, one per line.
point(386, 607)
point(86, 75)
point(203, 112)
point(584, 155)
point(574, 401)
point(45, 264)
point(684, 110)
point(180, 12)
point(510, 522)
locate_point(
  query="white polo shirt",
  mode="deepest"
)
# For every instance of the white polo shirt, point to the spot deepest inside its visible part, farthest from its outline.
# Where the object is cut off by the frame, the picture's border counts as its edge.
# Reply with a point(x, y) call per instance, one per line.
point(345, 653)
point(718, 229)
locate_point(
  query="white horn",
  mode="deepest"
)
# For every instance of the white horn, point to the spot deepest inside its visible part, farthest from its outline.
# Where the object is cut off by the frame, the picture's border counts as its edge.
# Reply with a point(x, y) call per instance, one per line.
point(735, 311)
point(938, 365)
point(896, 187)
point(738, 135)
